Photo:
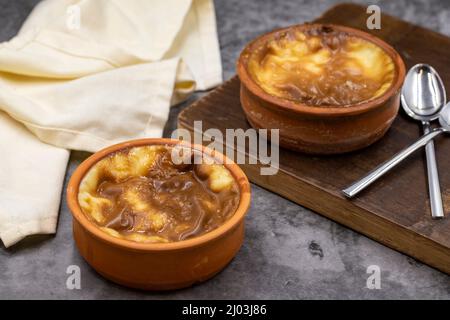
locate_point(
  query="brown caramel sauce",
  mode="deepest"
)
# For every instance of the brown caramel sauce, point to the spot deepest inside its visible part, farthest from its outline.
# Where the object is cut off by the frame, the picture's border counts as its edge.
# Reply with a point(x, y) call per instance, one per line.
point(322, 67)
point(139, 194)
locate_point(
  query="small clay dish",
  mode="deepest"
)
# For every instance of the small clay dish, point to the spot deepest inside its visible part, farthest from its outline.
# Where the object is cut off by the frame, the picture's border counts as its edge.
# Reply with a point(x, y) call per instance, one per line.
point(320, 129)
point(158, 266)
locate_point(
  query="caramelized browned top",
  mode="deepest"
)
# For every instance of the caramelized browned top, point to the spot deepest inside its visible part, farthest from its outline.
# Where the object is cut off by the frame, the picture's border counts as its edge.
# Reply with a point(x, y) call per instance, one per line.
point(139, 194)
point(322, 67)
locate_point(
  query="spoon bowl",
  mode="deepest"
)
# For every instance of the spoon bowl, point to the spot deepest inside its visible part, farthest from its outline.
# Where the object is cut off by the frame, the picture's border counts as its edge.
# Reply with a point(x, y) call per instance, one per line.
point(444, 117)
point(423, 93)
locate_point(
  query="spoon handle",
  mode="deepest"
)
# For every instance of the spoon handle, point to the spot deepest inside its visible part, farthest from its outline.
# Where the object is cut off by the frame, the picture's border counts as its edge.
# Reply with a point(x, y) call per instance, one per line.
point(437, 211)
point(361, 184)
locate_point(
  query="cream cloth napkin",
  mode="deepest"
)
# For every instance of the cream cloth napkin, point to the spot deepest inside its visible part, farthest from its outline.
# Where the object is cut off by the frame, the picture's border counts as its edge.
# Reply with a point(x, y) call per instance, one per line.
point(84, 74)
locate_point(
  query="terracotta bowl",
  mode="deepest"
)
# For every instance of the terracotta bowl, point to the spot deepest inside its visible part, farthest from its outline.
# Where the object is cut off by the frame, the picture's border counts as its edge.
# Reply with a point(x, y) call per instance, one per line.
point(157, 266)
point(317, 129)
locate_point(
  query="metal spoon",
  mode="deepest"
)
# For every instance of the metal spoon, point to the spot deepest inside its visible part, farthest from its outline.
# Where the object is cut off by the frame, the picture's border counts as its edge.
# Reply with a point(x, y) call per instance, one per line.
point(444, 120)
point(423, 97)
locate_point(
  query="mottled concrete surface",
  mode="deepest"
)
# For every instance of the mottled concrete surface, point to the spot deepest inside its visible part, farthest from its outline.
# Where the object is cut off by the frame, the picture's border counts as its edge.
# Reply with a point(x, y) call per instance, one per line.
point(289, 251)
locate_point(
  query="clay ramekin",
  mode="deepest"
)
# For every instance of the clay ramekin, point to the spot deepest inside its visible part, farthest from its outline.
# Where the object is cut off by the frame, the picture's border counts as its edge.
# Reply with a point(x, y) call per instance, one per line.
point(320, 129)
point(157, 266)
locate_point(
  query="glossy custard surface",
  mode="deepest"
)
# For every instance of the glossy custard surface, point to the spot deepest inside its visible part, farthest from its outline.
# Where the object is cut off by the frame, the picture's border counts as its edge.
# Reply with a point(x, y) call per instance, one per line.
point(140, 194)
point(322, 67)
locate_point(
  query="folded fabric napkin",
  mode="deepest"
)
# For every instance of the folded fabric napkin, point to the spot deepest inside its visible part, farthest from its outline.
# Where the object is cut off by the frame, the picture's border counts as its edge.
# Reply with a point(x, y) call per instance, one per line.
point(84, 74)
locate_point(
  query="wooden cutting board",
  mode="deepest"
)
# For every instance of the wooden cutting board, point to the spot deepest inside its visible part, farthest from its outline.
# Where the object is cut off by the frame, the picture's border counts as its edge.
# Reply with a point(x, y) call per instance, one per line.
point(395, 210)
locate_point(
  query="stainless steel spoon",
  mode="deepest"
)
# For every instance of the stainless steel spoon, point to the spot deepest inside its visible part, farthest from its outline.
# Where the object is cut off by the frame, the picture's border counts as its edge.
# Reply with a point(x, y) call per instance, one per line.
point(423, 97)
point(444, 120)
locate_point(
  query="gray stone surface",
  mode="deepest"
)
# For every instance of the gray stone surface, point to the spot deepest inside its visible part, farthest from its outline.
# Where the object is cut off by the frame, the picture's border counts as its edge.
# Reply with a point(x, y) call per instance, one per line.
point(289, 251)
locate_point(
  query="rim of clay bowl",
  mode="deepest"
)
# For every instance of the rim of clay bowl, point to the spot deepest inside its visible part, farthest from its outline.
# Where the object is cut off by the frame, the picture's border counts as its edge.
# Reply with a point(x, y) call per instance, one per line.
point(232, 222)
point(343, 110)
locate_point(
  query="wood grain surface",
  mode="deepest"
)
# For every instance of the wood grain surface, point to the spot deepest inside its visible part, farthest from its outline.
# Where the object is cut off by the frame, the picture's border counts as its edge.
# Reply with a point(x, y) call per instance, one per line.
point(395, 210)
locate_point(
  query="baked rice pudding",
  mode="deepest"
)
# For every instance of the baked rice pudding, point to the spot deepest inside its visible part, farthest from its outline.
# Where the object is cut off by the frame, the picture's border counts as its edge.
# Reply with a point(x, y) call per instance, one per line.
point(322, 66)
point(140, 194)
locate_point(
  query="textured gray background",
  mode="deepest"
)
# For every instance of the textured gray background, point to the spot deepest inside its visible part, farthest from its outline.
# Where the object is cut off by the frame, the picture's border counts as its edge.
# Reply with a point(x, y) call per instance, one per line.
point(289, 251)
